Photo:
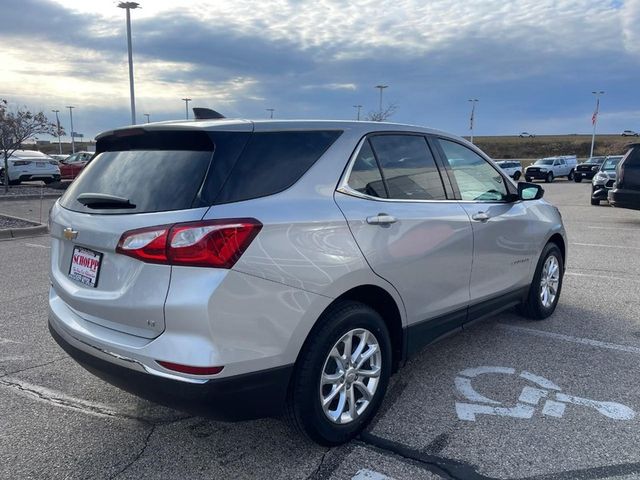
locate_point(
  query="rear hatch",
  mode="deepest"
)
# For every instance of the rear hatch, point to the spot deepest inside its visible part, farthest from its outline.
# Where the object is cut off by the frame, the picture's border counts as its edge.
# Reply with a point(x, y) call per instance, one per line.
point(138, 178)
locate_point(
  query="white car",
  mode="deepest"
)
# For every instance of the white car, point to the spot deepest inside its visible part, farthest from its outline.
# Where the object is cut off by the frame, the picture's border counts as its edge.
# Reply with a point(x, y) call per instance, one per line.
point(527, 135)
point(511, 168)
point(25, 165)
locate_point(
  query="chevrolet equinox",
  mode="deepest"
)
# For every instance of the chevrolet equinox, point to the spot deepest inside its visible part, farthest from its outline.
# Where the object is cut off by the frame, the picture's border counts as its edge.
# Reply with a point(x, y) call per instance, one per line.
point(246, 269)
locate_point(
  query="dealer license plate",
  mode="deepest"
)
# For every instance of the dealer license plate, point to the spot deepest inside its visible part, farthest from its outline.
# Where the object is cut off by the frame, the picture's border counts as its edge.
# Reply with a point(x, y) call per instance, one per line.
point(85, 266)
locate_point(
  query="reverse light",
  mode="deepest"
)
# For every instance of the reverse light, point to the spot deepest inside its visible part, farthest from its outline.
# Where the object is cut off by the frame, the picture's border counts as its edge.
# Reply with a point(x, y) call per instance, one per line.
point(177, 367)
point(208, 243)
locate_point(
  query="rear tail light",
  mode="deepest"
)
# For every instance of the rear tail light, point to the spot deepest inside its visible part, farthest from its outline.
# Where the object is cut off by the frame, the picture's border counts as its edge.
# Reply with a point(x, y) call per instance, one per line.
point(19, 163)
point(208, 243)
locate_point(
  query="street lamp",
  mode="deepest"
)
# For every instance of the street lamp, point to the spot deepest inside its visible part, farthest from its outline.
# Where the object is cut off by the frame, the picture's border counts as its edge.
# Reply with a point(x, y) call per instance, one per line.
point(147, 115)
point(594, 119)
point(381, 88)
point(473, 115)
point(128, 6)
point(186, 106)
point(270, 110)
point(358, 107)
point(73, 142)
point(58, 131)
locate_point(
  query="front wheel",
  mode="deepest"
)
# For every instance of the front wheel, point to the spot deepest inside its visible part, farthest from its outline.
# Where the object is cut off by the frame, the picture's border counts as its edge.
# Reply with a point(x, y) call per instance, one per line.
point(549, 178)
point(545, 288)
point(595, 201)
point(342, 374)
point(577, 178)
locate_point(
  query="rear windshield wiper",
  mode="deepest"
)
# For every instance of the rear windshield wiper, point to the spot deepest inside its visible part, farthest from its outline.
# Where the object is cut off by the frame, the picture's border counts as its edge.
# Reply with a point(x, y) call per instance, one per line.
point(104, 200)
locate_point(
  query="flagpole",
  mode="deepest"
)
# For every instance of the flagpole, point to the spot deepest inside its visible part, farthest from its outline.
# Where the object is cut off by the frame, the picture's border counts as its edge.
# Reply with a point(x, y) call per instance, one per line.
point(594, 120)
point(471, 118)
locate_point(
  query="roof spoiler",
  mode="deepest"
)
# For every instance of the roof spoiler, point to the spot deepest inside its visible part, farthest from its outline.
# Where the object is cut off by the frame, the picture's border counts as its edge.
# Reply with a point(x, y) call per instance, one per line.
point(206, 114)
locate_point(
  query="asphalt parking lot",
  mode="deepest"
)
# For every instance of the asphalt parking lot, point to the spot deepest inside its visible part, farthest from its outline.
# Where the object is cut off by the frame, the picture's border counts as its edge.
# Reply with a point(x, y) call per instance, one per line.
point(506, 398)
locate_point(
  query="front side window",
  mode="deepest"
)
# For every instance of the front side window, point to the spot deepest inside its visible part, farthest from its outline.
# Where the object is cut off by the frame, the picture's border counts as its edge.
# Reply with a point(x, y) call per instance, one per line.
point(476, 178)
point(408, 167)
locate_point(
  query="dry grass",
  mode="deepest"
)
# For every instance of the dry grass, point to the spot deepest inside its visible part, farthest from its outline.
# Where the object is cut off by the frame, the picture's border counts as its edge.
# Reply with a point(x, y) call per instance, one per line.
point(549, 145)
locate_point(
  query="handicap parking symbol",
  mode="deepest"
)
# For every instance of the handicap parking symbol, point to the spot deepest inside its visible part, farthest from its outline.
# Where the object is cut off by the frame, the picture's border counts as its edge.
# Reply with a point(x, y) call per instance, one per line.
point(554, 405)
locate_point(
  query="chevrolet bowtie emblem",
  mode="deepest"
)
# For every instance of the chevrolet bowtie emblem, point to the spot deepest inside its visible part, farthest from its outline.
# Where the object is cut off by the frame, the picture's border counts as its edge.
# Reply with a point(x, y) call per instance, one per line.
point(69, 233)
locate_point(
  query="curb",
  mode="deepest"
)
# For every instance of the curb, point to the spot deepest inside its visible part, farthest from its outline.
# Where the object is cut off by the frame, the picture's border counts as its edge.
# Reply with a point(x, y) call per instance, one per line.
point(37, 229)
point(30, 197)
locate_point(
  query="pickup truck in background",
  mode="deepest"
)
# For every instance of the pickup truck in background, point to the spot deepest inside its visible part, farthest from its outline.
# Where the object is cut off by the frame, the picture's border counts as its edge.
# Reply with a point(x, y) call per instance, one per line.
point(549, 168)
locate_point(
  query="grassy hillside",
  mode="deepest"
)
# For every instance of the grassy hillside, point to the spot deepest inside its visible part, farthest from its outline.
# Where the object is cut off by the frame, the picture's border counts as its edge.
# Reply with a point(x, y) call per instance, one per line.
point(549, 145)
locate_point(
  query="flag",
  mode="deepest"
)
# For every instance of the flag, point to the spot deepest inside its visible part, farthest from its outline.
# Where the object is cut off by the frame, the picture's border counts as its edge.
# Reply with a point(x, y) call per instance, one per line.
point(594, 117)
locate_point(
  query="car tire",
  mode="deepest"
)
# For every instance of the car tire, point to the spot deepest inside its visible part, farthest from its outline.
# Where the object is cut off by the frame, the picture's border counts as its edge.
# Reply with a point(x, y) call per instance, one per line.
point(595, 201)
point(570, 176)
point(549, 178)
point(304, 407)
point(534, 307)
point(577, 178)
point(516, 176)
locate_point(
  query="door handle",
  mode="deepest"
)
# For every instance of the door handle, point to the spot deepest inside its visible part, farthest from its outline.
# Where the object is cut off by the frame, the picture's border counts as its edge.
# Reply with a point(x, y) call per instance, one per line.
point(381, 219)
point(480, 217)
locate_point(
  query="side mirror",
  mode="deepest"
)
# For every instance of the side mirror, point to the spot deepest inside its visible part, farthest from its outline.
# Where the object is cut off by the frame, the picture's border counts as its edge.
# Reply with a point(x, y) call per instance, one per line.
point(529, 191)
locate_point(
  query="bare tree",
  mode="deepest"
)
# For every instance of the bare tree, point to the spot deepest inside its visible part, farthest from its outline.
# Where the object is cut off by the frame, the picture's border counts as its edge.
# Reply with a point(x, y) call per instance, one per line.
point(15, 128)
point(382, 115)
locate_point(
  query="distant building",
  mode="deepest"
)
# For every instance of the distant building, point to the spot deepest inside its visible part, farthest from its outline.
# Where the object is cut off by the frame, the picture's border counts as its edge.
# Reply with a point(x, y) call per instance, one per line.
point(43, 142)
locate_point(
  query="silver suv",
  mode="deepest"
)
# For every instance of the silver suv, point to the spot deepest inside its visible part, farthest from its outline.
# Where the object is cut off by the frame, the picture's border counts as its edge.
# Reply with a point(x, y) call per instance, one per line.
point(244, 268)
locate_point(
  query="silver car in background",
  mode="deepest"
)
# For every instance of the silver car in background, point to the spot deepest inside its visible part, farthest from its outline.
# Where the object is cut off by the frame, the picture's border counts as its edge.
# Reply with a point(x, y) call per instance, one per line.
point(604, 180)
point(245, 269)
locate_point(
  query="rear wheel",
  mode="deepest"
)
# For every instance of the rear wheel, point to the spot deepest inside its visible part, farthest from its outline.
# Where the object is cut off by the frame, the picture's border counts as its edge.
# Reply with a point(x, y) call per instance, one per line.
point(544, 291)
point(516, 176)
point(549, 178)
point(342, 374)
point(570, 176)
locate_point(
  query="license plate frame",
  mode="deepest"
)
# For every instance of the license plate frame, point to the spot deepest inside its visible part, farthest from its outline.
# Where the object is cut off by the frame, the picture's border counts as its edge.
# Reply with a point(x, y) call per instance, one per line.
point(83, 274)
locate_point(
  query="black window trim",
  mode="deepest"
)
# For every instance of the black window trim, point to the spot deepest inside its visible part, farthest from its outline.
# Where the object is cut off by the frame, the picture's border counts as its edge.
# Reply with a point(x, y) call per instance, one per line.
point(343, 183)
point(511, 189)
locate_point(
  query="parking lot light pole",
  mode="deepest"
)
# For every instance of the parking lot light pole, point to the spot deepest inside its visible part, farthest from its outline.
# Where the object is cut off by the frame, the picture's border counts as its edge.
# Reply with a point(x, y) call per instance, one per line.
point(594, 119)
point(270, 110)
point(472, 116)
point(128, 6)
point(381, 88)
point(186, 106)
point(58, 131)
point(358, 107)
point(73, 142)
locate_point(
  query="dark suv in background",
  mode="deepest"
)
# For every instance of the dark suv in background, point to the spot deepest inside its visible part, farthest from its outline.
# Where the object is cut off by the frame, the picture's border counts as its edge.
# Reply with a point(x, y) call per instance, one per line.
point(588, 169)
point(626, 190)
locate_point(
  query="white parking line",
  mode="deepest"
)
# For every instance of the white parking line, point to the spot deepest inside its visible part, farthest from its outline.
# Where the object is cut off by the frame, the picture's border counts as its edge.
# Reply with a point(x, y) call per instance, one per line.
point(568, 338)
point(613, 228)
point(602, 277)
point(602, 245)
point(365, 474)
point(36, 245)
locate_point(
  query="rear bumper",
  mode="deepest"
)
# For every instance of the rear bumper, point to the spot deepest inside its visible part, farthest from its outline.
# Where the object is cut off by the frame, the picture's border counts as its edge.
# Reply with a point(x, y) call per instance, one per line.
point(241, 397)
point(624, 198)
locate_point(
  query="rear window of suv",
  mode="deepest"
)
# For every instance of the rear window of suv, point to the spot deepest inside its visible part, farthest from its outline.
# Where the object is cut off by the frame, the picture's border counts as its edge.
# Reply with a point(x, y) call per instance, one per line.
point(162, 171)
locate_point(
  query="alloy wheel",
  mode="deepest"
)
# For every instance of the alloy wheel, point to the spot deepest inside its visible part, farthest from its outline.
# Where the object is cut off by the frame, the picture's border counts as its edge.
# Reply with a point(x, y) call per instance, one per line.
point(549, 281)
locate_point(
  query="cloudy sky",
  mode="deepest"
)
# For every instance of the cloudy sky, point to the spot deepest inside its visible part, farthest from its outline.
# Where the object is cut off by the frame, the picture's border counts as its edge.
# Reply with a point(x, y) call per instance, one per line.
point(531, 63)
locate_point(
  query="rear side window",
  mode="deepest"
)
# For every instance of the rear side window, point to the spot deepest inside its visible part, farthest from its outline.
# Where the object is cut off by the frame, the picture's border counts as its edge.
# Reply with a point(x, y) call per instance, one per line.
point(365, 175)
point(273, 161)
point(408, 167)
point(152, 180)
